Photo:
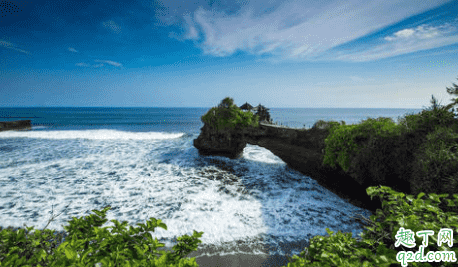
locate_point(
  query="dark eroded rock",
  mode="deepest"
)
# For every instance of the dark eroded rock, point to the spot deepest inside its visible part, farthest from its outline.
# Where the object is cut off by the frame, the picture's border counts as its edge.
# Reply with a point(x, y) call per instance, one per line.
point(302, 150)
point(15, 125)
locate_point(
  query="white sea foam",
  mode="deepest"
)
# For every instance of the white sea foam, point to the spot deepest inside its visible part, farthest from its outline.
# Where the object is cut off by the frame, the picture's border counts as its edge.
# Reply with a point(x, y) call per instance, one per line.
point(91, 135)
point(39, 127)
point(256, 153)
point(229, 200)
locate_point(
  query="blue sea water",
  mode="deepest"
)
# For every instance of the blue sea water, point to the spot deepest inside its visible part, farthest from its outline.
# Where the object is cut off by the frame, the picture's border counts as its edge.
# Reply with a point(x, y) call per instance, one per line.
point(142, 162)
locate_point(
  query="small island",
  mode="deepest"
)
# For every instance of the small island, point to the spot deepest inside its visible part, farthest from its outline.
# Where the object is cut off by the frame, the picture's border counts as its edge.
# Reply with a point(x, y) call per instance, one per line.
point(15, 125)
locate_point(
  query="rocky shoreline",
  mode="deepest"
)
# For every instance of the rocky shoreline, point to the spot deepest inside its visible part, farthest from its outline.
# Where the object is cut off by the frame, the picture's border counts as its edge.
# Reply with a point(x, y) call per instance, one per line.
point(15, 125)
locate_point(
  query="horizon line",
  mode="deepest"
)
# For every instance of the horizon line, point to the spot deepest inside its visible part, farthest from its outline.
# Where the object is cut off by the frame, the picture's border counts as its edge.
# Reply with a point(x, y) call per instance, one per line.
point(201, 107)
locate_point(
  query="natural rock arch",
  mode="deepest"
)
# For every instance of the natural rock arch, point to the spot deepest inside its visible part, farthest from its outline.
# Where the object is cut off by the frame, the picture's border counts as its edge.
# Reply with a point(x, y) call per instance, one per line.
point(300, 149)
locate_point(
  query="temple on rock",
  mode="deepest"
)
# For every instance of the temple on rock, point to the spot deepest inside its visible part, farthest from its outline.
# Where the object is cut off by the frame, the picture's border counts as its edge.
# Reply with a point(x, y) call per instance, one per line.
point(260, 110)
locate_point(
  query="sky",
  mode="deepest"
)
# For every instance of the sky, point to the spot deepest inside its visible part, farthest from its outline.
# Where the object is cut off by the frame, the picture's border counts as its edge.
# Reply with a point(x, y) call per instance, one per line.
point(282, 54)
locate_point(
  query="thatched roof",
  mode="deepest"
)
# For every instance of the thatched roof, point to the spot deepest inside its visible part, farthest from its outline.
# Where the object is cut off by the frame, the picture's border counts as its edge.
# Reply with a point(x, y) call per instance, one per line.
point(261, 107)
point(246, 106)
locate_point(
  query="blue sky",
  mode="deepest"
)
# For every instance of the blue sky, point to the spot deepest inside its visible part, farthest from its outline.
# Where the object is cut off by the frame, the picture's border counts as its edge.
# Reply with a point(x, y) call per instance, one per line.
point(282, 54)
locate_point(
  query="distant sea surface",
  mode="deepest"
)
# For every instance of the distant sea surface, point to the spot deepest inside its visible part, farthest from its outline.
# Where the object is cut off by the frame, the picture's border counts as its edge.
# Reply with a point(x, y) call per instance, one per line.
point(142, 162)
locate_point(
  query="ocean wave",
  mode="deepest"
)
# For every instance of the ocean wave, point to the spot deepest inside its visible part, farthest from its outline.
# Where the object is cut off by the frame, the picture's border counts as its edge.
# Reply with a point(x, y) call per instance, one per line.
point(91, 135)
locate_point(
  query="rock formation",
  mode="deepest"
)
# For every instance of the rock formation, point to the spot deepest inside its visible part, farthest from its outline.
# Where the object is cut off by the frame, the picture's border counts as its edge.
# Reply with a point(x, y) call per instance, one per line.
point(300, 149)
point(15, 125)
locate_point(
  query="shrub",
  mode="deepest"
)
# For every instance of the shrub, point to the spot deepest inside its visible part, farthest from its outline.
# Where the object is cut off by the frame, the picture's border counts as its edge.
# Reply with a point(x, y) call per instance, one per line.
point(436, 164)
point(375, 247)
point(426, 121)
point(345, 141)
point(229, 116)
point(380, 161)
point(123, 249)
point(321, 124)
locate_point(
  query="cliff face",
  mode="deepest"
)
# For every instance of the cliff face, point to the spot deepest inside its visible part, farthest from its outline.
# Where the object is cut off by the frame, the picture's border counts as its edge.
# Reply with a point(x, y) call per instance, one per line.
point(302, 150)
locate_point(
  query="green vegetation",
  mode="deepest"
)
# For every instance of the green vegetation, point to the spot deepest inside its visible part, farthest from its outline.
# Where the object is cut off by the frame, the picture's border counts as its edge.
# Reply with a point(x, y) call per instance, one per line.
point(321, 124)
point(420, 150)
point(345, 140)
point(376, 246)
point(229, 116)
point(126, 248)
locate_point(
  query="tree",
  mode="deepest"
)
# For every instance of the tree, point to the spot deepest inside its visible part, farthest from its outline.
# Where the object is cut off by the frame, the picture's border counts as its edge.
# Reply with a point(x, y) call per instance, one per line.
point(434, 104)
point(452, 91)
point(263, 113)
point(226, 103)
point(228, 115)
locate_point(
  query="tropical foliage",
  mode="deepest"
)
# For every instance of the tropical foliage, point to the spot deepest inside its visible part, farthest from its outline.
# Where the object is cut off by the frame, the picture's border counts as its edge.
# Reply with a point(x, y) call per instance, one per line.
point(229, 116)
point(88, 245)
point(376, 245)
point(345, 141)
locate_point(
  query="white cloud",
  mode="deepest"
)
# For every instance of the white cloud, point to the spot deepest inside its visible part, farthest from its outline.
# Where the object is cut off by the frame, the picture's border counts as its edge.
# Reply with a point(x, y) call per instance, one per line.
point(190, 28)
point(13, 47)
point(72, 50)
point(112, 26)
point(99, 65)
point(299, 30)
point(423, 37)
point(116, 64)
point(420, 33)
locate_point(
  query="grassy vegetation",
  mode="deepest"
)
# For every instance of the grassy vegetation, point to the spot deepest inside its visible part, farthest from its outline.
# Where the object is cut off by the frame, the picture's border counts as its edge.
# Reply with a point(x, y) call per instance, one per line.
point(420, 150)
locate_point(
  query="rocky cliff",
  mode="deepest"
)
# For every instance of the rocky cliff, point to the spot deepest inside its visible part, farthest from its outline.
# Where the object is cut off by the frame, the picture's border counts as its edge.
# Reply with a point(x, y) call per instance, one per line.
point(300, 149)
point(15, 125)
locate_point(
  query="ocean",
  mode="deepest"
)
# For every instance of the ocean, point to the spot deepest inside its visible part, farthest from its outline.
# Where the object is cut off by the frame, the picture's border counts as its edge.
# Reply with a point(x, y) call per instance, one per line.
point(142, 162)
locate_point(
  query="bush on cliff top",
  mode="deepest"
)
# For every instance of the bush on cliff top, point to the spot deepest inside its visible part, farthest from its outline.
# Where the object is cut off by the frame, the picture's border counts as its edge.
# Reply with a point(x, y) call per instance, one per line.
point(420, 153)
point(436, 167)
point(229, 116)
point(345, 141)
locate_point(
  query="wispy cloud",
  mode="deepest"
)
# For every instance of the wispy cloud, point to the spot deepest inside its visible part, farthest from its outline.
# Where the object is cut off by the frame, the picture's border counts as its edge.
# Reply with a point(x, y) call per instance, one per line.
point(116, 64)
point(72, 50)
point(13, 47)
point(408, 40)
point(82, 65)
point(112, 26)
point(302, 30)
